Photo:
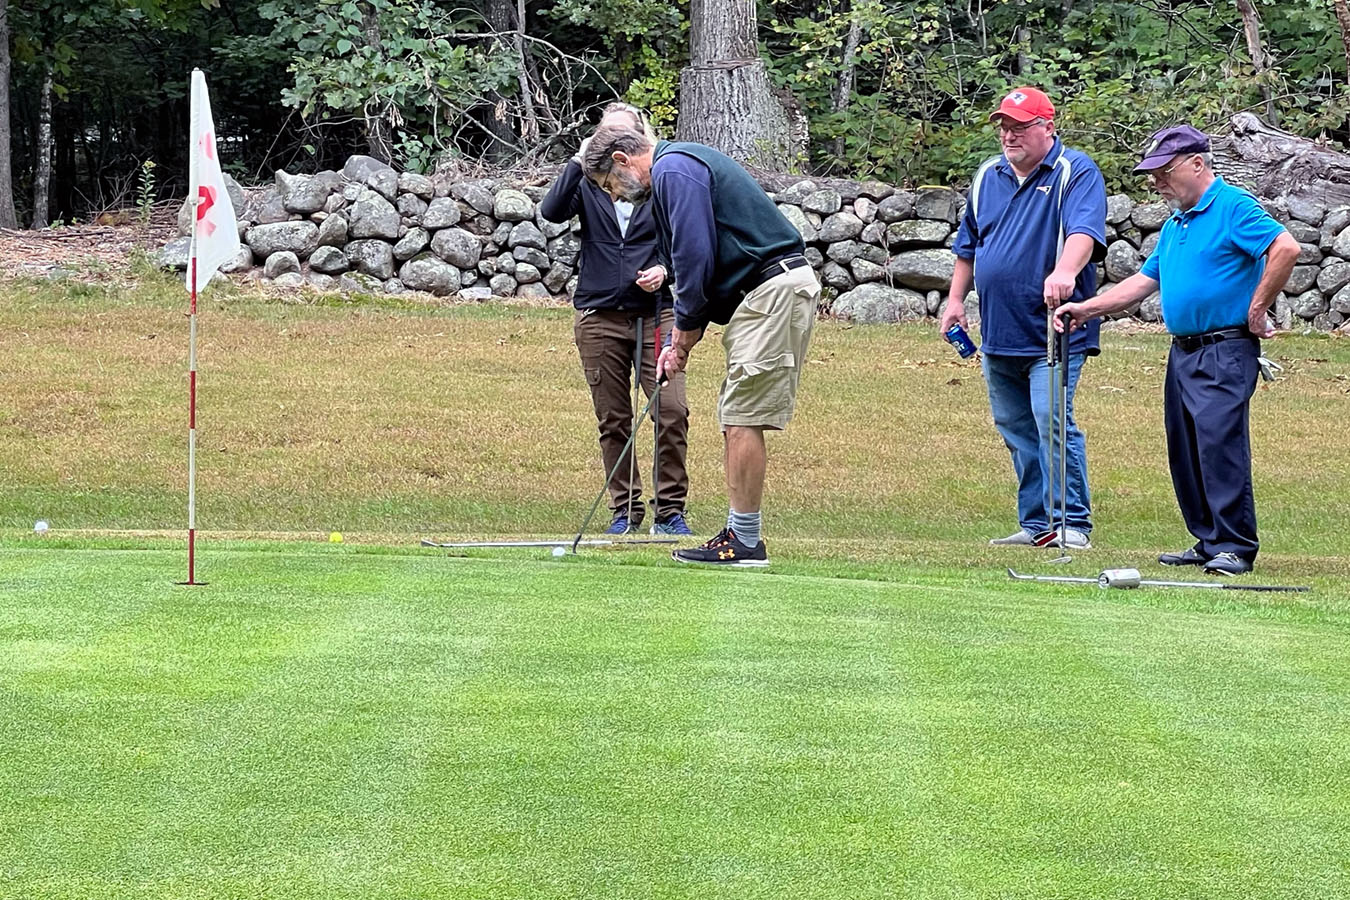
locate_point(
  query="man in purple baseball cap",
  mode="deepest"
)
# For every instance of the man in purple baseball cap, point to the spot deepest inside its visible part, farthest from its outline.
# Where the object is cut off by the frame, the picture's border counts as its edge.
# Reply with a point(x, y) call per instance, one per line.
point(1219, 262)
point(1168, 143)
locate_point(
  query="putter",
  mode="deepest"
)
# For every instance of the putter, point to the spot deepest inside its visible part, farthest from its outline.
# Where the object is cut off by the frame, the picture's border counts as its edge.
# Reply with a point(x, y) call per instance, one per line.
point(1044, 537)
point(656, 423)
point(1130, 578)
point(1056, 359)
point(1064, 441)
point(656, 392)
point(427, 542)
point(637, 418)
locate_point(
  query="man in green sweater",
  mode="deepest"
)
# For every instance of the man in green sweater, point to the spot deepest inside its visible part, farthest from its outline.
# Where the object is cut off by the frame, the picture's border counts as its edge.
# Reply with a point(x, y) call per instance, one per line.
point(737, 262)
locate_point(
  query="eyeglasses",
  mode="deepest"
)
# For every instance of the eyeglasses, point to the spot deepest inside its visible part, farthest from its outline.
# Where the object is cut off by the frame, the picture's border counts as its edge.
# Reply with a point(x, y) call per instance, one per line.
point(1165, 174)
point(1019, 130)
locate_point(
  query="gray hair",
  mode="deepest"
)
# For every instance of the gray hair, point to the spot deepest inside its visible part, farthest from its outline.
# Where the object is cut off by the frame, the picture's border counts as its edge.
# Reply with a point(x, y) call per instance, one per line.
point(639, 117)
point(610, 138)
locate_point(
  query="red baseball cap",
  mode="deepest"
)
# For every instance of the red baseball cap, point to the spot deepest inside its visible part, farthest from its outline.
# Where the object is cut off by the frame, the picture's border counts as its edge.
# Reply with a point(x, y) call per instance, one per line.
point(1024, 104)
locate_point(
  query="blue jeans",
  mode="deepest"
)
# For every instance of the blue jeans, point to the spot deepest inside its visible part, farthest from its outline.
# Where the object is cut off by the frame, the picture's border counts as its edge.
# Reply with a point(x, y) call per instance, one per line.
point(1020, 400)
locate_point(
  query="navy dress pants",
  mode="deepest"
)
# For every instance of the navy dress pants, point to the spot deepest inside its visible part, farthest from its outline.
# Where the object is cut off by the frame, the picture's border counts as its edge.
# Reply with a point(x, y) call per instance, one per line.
point(1206, 399)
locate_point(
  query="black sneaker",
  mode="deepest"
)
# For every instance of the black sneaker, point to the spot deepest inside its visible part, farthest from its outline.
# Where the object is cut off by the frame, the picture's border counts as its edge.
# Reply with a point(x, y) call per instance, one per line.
point(1188, 557)
point(724, 550)
point(1227, 564)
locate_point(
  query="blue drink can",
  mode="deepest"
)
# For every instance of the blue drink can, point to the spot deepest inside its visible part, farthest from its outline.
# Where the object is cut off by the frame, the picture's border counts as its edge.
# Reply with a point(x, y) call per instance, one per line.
point(957, 337)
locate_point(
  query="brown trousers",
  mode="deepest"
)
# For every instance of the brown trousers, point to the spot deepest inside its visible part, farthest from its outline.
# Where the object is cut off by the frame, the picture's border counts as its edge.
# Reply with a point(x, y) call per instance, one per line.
point(605, 340)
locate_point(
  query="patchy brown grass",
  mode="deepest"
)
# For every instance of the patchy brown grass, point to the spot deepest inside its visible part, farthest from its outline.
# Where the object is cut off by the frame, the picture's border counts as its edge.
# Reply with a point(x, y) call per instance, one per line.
point(391, 417)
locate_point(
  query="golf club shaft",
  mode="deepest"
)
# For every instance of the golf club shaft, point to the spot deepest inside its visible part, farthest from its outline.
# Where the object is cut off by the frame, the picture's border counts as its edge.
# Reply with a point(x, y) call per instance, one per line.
point(600, 542)
point(1149, 582)
point(656, 423)
point(1064, 435)
point(1058, 579)
point(1225, 586)
point(1050, 423)
point(637, 397)
point(656, 392)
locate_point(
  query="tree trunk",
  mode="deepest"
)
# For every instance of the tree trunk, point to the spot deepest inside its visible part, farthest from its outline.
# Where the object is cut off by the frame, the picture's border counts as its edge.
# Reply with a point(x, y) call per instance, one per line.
point(1274, 164)
point(1022, 36)
point(498, 122)
point(1251, 28)
point(1343, 19)
point(42, 171)
point(844, 90)
point(379, 139)
point(726, 101)
point(530, 123)
point(7, 217)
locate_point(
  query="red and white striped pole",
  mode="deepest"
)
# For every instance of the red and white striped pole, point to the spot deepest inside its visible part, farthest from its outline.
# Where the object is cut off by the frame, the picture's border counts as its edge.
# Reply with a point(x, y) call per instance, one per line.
point(192, 418)
point(215, 239)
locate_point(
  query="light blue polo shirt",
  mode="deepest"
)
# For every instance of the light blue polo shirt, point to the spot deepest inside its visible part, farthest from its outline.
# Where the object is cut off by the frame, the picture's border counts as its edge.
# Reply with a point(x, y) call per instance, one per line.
point(1210, 258)
point(1012, 232)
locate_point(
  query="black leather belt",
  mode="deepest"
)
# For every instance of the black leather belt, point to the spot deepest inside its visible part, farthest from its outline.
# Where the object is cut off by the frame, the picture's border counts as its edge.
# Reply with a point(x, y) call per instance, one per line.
point(1190, 342)
point(776, 268)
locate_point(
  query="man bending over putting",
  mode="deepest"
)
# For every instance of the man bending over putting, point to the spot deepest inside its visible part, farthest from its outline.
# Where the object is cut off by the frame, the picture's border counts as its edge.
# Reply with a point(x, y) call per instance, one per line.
point(738, 262)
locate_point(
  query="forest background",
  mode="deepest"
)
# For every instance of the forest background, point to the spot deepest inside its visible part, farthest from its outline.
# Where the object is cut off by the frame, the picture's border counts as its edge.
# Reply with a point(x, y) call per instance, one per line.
point(94, 105)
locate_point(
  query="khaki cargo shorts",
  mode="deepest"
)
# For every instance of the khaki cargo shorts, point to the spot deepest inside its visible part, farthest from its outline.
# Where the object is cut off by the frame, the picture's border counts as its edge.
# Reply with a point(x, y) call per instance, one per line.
point(766, 343)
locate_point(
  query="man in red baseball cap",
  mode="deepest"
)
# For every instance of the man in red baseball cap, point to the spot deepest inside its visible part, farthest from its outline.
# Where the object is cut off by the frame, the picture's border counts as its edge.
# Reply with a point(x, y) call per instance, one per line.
point(1026, 128)
point(1035, 220)
point(1023, 105)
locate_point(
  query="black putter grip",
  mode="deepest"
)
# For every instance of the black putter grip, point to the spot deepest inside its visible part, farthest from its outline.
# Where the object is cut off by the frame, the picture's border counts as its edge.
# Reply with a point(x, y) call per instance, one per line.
point(1065, 320)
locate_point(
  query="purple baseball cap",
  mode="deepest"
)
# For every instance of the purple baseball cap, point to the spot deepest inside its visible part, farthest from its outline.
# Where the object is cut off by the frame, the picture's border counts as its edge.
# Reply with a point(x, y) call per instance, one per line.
point(1168, 142)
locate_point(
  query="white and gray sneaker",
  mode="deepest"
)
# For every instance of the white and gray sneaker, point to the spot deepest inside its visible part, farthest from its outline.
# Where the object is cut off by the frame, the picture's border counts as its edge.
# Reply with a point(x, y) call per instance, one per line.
point(1019, 538)
point(1075, 539)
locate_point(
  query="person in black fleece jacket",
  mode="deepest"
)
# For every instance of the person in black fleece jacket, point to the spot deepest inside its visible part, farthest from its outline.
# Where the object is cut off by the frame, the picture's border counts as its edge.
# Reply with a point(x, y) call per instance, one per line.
point(621, 284)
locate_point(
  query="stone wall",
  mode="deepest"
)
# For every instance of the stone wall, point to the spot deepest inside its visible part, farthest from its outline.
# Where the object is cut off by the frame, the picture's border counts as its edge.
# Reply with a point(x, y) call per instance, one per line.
point(883, 254)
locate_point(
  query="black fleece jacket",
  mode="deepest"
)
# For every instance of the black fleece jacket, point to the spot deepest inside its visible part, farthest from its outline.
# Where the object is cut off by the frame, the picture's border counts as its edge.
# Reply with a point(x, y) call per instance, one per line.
point(609, 260)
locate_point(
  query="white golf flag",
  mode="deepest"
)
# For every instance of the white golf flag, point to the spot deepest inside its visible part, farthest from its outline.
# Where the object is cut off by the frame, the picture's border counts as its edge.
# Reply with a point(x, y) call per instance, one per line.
point(215, 233)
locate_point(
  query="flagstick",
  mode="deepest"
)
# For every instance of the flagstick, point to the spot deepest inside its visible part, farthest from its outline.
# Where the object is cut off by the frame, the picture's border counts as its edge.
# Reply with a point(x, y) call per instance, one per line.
point(192, 417)
point(215, 233)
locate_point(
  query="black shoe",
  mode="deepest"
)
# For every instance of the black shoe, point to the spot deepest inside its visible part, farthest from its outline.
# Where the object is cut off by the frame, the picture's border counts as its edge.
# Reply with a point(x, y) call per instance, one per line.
point(1188, 557)
point(724, 550)
point(1227, 564)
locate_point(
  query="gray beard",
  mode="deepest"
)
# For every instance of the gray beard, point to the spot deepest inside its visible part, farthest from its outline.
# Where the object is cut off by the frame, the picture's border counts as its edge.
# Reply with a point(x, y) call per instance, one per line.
point(637, 195)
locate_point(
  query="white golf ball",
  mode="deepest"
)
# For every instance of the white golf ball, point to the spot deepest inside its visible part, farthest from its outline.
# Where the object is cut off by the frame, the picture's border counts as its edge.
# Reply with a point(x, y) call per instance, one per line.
point(40, 526)
point(559, 551)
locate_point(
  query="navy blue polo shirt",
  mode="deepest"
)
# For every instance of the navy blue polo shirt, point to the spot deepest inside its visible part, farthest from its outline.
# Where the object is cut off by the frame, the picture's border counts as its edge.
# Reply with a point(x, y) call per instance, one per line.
point(1013, 234)
point(1210, 258)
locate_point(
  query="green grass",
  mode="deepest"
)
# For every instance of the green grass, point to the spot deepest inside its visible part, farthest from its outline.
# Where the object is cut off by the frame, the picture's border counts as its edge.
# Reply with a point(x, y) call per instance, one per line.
point(337, 723)
point(882, 714)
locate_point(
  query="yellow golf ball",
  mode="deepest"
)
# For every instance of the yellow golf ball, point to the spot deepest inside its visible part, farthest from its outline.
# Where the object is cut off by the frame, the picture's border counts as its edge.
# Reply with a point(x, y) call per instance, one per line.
point(335, 537)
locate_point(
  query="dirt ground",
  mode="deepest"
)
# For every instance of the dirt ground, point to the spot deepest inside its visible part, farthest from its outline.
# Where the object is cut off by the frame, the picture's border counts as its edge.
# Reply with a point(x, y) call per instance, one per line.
point(83, 251)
